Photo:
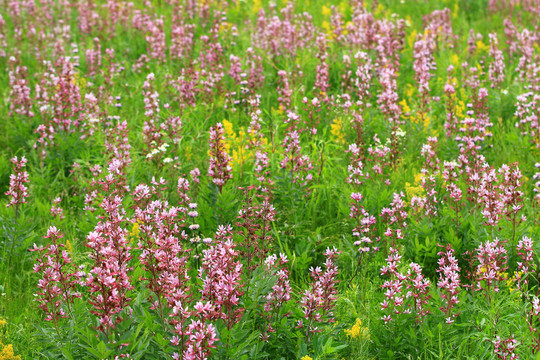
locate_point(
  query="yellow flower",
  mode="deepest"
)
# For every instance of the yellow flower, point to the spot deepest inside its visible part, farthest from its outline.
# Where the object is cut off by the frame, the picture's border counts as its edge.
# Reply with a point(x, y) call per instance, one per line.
point(326, 26)
point(456, 10)
point(412, 38)
point(409, 90)
point(69, 247)
point(224, 27)
point(380, 9)
point(326, 11)
point(337, 131)
point(427, 121)
point(357, 331)
point(455, 60)
point(229, 132)
point(413, 191)
point(404, 106)
point(460, 109)
point(257, 6)
point(6, 353)
point(135, 231)
point(480, 46)
point(235, 144)
point(307, 358)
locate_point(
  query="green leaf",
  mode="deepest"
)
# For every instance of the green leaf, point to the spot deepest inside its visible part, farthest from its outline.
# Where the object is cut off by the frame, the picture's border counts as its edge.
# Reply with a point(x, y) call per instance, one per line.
point(67, 354)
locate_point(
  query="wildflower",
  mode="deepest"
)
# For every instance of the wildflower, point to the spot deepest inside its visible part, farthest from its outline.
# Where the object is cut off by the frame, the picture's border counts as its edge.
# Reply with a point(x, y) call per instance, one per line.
point(505, 348)
point(17, 190)
point(201, 339)
point(7, 353)
point(424, 64)
point(135, 231)
point(19, 95)
point(357, 174)
point(69, 247)
point(322, 81)
point(221, 273)
point(492, 263)
point(364, 231)
point(57, 210)
point(279, 295)
point(481, 47)
point(318, 302)
point(429, 152)
point(6, 350)
point(395, 216)
point(429, 202)
point(219, 168)
point(413, 191)
point(418, 289)
point(255, 223)
point(110, 250)
point(262, 173)
point(449, 282)
point(306, 358)
point(326, 11)
point(496, 65)
point(59, 277)
point(527, 112)
point(284, 90)
point(394, 286)
point(337, 131)
point(299, 165)
point(525, 253)
point(357, 331)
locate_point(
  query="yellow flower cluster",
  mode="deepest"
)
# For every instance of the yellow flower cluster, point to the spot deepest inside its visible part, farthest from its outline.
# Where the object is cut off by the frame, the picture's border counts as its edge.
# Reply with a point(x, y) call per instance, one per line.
point(413, 191)
point(69, 247)
point(306, 358)
point(336, 129)
point(416, 189)
point(329, 31)
point(135, 230)
point(406, 109)
point(510, 281)
point(326, 11)
point(357, 331)
point(236, 144)
point(460, 109)
point(134, 233)
point(407, 113)
point(411, 39)
point(6, 351)
point(257, 6)
point(481, 47)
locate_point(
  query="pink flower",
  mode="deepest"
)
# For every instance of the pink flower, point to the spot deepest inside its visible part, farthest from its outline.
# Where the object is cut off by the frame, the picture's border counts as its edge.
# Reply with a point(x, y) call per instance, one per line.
point(219, 168)
point(449, 282)
point(299, 165)
point(18, 192)
point(59, 277)
point(318, 302)
point(221, 274)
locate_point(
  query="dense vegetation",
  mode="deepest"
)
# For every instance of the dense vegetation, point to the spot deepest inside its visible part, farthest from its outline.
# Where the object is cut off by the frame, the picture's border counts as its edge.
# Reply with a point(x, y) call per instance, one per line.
point(196, 179)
